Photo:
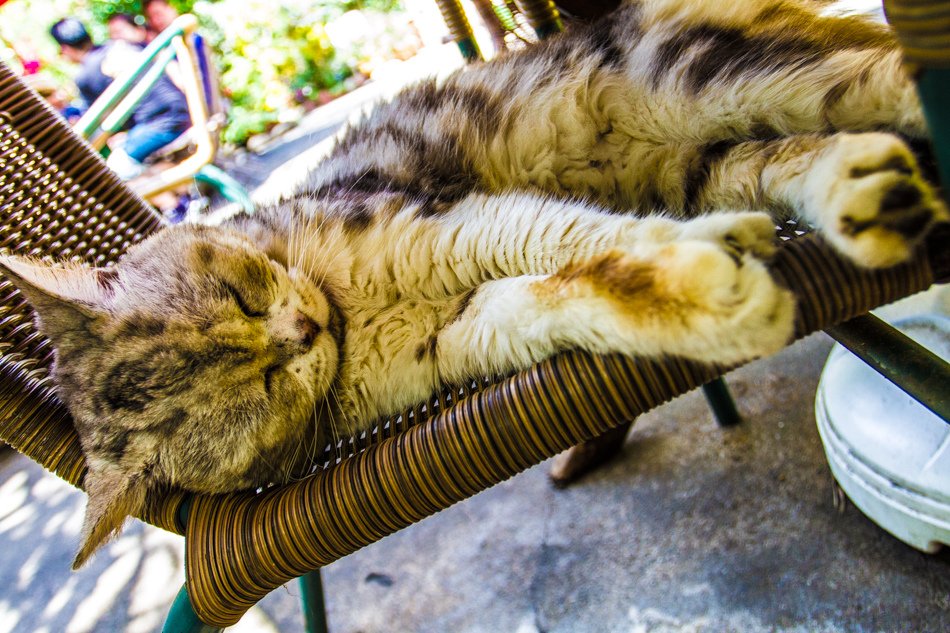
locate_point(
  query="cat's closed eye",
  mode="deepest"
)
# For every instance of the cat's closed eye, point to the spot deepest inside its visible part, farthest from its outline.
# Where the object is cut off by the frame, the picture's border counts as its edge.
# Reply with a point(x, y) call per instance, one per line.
point(270, 375)
point(243, 305)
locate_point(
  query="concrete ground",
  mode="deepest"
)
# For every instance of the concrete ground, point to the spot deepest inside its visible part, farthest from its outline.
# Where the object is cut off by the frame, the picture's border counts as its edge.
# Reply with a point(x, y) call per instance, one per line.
point(692, 529)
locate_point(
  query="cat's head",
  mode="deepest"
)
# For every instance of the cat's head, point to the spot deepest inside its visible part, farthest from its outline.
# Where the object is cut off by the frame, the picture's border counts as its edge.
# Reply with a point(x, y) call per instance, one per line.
point(196, 361)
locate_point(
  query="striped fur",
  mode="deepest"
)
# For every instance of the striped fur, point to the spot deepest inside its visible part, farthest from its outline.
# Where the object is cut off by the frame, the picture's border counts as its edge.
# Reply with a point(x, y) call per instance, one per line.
point(549, 200)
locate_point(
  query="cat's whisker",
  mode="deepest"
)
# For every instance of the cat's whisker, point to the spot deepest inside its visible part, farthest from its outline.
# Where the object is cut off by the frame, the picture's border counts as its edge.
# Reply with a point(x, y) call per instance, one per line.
point(314, 226)
point(336, 437)
point(319, 263)
point(311, 448)
point(290, 474)
point(292, 256)
point(314, 448)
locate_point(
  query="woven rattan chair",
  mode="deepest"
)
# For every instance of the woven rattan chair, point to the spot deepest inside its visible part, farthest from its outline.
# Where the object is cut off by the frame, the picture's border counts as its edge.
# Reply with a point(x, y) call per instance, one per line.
point(57, 199)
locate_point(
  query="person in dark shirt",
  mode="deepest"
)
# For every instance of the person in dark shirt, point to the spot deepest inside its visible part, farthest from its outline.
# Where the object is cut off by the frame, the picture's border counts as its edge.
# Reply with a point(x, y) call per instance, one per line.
point(159, 15)
point(160, 118)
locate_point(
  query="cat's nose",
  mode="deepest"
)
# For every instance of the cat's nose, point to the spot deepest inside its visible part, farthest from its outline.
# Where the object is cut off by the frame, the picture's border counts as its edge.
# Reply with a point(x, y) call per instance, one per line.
point(307, 328)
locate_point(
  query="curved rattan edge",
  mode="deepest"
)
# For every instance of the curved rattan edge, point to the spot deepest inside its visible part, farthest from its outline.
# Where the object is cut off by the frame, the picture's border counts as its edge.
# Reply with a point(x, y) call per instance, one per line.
point(240, 547)
point(43, 428)
point(923, 29)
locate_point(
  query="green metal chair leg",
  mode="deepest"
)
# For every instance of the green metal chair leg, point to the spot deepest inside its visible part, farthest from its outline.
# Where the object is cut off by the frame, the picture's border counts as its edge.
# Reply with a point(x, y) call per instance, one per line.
point(542, 15)
point(231, 189)
point(314, 607)
point(182, 617)
point(721, 402)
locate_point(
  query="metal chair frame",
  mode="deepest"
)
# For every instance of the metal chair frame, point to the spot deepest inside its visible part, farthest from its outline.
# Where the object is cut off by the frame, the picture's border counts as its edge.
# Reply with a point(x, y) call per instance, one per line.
point(110, 112)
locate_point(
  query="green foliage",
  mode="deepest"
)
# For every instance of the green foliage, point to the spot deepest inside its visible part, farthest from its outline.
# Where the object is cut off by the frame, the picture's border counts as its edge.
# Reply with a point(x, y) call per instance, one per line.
point(266, 54)
point(244, 123)
point(383, 6)
point(274, 59)
point(102, 9)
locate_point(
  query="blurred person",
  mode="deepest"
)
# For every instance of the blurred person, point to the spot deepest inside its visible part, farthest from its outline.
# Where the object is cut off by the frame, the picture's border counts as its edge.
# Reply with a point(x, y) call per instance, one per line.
point(160, 118)
point(159, 14)
point(123, 26)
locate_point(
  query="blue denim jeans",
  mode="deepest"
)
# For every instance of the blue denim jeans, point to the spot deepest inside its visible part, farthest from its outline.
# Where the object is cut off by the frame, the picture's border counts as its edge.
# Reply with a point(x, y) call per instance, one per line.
point(147, 138)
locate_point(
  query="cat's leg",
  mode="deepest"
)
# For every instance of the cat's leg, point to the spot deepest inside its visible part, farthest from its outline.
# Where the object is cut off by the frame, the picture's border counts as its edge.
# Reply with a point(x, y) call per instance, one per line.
point(864, 191)
point(487, 237)
point(689, 298)
point(665, 89)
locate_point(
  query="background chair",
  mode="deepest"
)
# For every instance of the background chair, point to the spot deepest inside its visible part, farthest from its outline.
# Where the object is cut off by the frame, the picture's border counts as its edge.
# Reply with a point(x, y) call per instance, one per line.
point(116, 105)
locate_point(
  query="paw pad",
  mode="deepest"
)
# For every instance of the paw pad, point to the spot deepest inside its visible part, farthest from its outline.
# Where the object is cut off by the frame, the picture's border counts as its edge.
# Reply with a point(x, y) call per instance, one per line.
point(871, 199)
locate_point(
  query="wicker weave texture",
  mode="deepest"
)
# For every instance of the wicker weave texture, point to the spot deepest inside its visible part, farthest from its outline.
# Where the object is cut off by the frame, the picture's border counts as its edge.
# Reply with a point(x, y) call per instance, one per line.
point(923, 28)
point(57, 199)
point(241, 547)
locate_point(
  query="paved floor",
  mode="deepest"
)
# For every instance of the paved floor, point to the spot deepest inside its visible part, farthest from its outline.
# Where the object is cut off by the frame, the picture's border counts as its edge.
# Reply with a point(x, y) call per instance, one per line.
point(693, 528)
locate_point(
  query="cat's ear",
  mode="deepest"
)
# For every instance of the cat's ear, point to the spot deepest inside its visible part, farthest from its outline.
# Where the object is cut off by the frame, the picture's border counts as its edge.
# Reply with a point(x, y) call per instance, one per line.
point(114, 495)
point(65, 299)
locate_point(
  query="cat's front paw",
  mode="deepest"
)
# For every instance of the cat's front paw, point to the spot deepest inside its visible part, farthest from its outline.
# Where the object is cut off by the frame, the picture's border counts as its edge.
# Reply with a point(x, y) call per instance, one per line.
point(736, 233)
point(730, 307)
point(867, 194)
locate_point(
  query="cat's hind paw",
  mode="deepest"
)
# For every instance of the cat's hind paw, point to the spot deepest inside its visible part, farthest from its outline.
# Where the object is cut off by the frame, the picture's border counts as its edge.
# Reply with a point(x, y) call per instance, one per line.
point(692, 298)
point(867, 194)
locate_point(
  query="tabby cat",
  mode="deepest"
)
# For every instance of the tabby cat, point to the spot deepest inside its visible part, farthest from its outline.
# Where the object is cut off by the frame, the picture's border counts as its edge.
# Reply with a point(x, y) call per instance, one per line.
point(552, 199)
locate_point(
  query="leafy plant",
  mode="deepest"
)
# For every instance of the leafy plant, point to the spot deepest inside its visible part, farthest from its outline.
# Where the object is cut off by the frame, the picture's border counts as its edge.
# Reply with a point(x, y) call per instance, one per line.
point(102, 9)
point(265, 54)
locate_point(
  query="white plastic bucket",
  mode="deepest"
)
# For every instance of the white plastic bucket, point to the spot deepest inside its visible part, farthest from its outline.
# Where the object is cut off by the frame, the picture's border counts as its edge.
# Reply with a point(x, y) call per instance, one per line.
point(890, 454)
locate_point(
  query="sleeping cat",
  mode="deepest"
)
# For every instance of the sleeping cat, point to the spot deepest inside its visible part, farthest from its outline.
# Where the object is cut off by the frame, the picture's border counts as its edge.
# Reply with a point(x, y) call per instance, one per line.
point(552, 199)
